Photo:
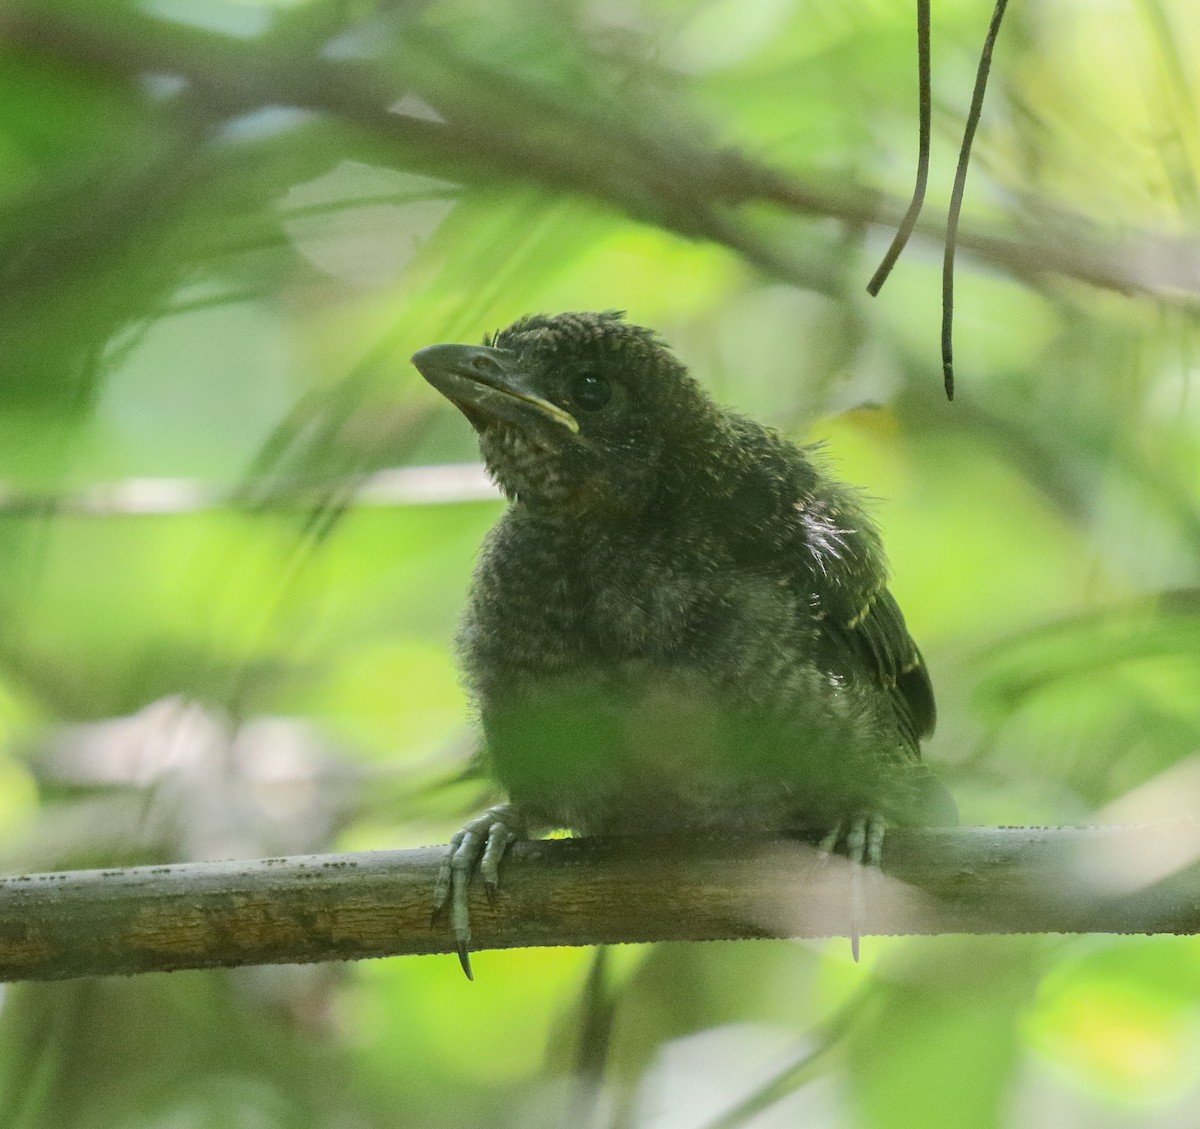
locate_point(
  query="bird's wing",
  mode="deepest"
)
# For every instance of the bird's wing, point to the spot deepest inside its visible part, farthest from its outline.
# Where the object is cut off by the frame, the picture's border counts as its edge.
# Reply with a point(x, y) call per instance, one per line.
point(856, 612)
point(877, 634)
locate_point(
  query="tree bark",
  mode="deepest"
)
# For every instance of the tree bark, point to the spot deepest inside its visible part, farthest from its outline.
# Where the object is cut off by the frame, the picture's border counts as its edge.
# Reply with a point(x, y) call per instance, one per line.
point(598, 891)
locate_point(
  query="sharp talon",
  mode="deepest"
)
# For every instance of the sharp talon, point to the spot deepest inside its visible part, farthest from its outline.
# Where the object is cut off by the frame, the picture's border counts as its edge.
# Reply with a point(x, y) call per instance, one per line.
point(464, 958)
point(863, 845)
point(478, 847)
point(858, 907)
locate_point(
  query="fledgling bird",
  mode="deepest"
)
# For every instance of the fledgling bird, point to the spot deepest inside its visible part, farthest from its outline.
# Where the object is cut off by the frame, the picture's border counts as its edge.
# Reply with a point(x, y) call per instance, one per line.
point(680, 623)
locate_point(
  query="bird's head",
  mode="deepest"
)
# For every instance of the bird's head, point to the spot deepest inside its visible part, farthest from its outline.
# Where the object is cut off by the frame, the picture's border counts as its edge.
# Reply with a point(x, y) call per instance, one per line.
point(577, 410)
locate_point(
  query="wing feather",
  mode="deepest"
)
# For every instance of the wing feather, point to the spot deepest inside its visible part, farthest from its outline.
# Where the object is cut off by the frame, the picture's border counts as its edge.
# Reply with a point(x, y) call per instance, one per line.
point(851, 599)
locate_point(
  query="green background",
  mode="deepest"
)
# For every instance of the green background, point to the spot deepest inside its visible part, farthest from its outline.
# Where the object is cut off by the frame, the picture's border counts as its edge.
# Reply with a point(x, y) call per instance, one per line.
point(225, 225)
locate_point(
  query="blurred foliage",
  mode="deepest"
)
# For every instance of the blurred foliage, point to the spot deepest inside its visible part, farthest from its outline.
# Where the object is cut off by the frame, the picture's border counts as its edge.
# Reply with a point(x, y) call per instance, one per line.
point(224, 227)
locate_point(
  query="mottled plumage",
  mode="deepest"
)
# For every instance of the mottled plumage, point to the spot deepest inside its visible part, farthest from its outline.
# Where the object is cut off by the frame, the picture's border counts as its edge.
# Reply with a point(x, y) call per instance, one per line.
point(681, 620)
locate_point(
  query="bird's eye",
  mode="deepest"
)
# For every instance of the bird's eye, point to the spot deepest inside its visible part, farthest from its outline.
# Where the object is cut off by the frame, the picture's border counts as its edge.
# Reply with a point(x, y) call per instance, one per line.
point(590, 392)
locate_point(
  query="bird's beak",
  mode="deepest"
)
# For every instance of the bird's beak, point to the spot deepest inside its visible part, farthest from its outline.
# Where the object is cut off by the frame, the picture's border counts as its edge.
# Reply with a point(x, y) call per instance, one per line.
point(487, 384)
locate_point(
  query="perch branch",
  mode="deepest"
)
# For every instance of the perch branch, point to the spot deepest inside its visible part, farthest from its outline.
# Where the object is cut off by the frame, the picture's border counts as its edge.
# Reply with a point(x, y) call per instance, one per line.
point(594, 891)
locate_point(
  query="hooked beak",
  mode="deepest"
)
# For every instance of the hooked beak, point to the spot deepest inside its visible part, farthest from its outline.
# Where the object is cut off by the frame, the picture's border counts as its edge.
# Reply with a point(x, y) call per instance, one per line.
point(486, 385)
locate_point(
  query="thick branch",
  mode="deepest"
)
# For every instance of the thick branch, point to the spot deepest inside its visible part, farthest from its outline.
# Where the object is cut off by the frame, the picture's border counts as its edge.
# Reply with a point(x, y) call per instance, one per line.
point(593, 891)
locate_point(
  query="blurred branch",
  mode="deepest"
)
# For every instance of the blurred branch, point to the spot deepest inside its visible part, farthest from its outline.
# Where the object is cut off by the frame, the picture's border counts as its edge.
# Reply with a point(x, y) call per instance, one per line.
point(500, 128)
point(596, 891)
point(400, 486)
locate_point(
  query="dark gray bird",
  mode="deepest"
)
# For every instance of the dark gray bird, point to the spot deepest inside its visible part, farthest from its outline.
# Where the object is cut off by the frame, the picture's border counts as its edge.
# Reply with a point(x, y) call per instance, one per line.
point(681, 621)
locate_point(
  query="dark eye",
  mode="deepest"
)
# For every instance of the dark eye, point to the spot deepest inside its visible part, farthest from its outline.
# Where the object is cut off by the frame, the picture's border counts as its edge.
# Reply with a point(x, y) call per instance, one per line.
point(589, 391)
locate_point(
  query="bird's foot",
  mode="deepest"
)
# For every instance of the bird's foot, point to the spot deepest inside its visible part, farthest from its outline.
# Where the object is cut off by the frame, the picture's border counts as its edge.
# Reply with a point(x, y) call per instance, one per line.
point(479, 845)
point(862, 841)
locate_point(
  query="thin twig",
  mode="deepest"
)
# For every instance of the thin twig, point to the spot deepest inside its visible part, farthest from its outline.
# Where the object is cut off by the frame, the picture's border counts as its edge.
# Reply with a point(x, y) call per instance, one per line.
point(924, 114)
point(794, 1073)
point(956, 197)
point(438, 484)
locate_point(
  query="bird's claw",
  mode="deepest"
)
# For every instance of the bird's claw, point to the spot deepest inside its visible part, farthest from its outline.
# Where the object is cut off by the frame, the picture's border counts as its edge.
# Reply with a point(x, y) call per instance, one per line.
point(863, 842)
point(481, 845)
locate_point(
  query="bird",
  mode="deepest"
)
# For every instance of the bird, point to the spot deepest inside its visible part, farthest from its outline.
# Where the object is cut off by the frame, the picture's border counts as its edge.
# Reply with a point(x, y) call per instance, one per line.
point(680, 623)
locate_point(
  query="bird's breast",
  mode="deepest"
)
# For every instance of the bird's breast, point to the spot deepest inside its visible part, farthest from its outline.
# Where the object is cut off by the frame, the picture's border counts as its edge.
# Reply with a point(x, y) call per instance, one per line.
point(617, 679)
